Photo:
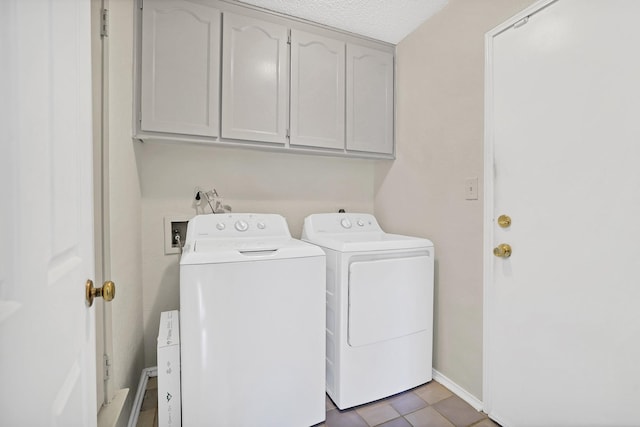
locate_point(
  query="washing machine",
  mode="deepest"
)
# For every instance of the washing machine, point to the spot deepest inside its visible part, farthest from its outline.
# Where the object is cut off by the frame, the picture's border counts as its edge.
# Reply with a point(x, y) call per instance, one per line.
point(252, 324)
point(379, 303)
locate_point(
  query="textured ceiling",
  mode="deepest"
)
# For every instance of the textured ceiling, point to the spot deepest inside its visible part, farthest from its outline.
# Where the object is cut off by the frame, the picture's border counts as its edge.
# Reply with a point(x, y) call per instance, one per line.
point(386, 20)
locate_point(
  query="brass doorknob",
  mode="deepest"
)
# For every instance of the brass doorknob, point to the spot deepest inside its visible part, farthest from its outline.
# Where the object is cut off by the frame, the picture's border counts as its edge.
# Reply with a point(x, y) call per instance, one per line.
point(106, 292)
point(503, 250)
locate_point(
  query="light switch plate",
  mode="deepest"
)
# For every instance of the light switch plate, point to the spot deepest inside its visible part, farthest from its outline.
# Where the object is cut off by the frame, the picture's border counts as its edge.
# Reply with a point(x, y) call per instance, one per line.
point(471, 188)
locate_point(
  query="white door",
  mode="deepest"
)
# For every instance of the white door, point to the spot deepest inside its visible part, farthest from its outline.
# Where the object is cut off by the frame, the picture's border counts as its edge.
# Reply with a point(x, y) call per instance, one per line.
point(47, 335)
point(562, 325)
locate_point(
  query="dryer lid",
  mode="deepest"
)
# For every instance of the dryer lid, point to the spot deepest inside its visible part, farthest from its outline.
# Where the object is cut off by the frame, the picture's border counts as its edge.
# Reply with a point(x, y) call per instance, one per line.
point(355, 232)
point(380, 241)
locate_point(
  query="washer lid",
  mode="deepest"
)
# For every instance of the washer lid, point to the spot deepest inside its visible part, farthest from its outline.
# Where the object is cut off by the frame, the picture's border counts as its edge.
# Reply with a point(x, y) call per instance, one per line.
point(216, 251)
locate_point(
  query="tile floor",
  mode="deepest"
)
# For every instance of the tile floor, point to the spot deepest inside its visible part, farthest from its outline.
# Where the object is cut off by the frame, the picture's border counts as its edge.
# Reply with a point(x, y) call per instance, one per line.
point(430, 405)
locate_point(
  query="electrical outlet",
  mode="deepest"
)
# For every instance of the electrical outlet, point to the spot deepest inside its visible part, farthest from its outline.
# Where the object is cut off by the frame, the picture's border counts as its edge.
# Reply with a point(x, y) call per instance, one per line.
point(175, 233)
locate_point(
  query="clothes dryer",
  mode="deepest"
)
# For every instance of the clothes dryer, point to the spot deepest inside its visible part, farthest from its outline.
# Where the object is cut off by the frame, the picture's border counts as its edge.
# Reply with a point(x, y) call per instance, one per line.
point(252, 323)
point(379, 307)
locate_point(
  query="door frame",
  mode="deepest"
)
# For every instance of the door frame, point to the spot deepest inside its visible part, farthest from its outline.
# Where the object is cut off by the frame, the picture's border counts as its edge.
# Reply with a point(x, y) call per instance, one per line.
point(111, 399)
point(110, 402)
point(489, 214)
point(100, 58)
point(96, 72)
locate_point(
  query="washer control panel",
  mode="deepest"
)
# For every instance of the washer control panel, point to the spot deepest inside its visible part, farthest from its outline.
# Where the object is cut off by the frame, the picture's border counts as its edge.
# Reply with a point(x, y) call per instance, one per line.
point(236, 225)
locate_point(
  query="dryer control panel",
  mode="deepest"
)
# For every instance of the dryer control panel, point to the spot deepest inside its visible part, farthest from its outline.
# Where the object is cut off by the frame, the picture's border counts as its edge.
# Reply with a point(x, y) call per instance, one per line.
point(342, 223)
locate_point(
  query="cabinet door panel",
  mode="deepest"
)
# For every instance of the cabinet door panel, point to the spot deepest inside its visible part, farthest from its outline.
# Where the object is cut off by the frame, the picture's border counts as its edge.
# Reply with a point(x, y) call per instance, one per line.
point(369, 100)
point(180, 68)
point(317, 91)
point(255, 80)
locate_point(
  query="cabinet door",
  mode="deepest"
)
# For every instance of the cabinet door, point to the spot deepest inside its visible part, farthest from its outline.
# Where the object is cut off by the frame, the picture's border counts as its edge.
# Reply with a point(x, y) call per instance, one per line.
point(180, 68)
point(369, 100)
point(317, 91)
point(255, 80)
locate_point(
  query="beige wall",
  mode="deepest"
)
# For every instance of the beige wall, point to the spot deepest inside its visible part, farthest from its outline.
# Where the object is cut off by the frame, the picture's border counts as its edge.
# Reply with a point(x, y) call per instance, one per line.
point(439, 144)
point(292, 185)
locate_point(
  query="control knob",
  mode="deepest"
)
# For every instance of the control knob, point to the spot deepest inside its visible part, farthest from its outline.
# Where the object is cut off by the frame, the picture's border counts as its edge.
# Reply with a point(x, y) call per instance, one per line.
point(345, 223)
point(241, 225)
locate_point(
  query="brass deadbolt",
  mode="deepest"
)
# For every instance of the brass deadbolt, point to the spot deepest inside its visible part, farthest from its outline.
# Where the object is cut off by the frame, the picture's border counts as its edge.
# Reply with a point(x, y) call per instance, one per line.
point(503, 250)
point(504, 221)
point(106, 292)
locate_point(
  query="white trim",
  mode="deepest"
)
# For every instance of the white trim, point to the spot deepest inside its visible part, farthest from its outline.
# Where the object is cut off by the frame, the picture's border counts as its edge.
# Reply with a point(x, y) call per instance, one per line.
point(488, 202)
point(142, 386)
point(458, 391)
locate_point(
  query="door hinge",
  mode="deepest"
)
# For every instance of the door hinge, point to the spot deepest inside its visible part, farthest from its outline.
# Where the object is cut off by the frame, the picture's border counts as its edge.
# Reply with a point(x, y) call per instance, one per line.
point(104, 23)
point(289, 37)
point(288, 136)
point(107, 366)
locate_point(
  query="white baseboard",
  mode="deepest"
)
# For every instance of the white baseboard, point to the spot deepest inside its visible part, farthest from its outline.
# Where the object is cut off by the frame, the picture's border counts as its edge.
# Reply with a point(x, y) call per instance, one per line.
point(142, 386)
point(108, 415)
point(459, 391)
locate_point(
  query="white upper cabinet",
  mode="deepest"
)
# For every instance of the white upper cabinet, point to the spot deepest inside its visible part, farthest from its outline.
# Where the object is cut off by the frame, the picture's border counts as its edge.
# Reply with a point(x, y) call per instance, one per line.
point(180, 66)
point(217, 72)
point(370, 100)
point(317, 91)
point(255, 80)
